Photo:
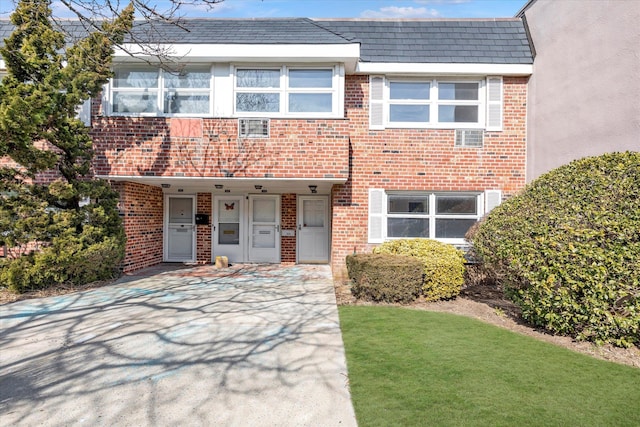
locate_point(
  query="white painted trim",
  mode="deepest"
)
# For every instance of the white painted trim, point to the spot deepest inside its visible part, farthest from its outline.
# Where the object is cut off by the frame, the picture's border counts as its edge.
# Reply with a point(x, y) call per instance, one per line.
point(299, 216)
point(404, 68)
point(165, 227)
point(348, 53)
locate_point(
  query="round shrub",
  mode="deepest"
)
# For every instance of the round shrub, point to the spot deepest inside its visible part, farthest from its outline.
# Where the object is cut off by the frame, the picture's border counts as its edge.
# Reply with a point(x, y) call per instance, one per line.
point(443, 265)
point(384, 277)
point(567, 249)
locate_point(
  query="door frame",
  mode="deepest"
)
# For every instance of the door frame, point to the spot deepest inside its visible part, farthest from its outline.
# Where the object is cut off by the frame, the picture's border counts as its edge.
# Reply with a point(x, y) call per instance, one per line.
point(165, 227)
point(249, 218)
point(299, 213)
point(242, 206)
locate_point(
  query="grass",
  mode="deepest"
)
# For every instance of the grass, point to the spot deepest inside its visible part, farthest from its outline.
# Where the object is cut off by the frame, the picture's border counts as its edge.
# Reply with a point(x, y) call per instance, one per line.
point(412, 368)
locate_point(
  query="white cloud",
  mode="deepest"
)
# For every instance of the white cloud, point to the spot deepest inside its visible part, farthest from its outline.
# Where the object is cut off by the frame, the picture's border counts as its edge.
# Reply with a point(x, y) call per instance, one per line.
point(401, 12)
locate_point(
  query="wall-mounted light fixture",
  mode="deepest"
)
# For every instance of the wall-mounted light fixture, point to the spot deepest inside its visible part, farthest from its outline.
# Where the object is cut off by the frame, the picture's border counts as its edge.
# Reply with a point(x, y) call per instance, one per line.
point(264, 190)
point(226, 190)
point(165, 185)
point(219, 186)
point(258, 187)
point(313, 188)
point(180, 190)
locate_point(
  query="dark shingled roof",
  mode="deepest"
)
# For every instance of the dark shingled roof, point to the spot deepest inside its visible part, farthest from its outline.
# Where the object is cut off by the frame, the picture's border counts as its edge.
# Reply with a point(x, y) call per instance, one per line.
point(492, 41)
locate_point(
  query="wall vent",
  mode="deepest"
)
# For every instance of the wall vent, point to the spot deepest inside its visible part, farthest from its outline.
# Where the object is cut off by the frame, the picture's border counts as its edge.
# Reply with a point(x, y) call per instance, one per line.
point(253, 128)
point(469, 138)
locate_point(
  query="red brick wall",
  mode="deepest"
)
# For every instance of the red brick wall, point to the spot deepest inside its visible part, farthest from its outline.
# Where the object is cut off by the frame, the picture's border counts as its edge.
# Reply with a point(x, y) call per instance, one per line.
point(141, 207)
point(127, 146)
point(203, 232)
point(288, 221)
point(421, 159)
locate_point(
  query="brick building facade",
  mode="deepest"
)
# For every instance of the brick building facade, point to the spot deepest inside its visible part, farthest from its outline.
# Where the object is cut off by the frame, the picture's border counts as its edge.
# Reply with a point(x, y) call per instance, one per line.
point(320, 139)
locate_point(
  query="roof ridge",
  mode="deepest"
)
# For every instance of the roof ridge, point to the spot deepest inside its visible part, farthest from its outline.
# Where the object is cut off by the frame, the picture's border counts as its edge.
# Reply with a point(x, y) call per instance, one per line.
point(335, 33)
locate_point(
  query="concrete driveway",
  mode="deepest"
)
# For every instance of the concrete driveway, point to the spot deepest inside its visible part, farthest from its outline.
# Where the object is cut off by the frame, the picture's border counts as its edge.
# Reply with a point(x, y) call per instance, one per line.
point(245, 346)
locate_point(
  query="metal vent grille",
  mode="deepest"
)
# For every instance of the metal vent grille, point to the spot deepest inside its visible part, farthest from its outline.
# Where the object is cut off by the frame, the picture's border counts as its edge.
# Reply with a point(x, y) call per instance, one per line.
point(253, 128)
point(469, 138)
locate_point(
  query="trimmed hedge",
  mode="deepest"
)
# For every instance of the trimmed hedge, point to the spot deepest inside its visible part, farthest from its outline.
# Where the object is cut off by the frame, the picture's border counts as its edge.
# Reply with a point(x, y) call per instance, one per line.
point(567, 249)
point(384, 277)
point(443, 265)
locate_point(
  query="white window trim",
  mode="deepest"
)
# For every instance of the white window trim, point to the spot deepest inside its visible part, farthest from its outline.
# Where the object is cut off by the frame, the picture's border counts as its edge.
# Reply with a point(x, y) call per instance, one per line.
point(433, 103)
point(336, 90)
point(431, 215)
point(109, 92)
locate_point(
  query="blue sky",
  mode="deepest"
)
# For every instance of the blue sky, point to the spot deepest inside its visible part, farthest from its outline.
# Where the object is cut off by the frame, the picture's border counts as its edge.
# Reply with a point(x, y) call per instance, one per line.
point(337, 8)
point(364, 8)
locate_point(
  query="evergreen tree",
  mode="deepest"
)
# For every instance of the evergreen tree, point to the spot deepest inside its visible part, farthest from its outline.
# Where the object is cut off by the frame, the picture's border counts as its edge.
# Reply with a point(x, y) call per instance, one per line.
point(69, 218)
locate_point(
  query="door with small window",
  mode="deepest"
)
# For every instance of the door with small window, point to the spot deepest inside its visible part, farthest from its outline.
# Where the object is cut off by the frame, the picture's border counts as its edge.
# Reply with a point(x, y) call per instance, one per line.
point(264, 228)
point(313, 229)
point(228, 227)
point(180, 229)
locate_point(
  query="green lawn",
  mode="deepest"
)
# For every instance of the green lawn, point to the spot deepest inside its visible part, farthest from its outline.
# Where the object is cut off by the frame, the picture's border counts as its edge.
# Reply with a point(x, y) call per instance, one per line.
point(410, 368)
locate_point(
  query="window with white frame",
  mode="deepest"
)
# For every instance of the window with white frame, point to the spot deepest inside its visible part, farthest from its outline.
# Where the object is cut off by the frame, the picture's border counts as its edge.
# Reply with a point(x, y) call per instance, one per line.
point(287, 91)
point(444, 216)
point(434, 103)
point(152, 91)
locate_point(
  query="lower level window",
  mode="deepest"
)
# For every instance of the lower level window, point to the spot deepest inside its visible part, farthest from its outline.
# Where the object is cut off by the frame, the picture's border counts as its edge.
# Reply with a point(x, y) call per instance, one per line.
point(442, 216)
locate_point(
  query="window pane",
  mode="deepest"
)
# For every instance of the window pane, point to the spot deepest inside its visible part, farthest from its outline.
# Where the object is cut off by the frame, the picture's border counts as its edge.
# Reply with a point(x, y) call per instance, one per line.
point(134, 102)
point(466, 91)
point(409, 90)
point(409, 113)
point(185, 103)
point(194, 78)
point(310, 78)
point(408, 204)
point(452, 228)
point(407, 227)
point(458, 113)
point(456, 205)
point(310, 102)
point(228, 233)
point(258, 102)
point(139, 78)
point(258, 78)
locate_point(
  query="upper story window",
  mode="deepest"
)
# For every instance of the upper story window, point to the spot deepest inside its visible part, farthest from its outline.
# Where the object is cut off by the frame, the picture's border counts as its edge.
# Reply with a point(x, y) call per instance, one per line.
point(156, 92)
point(434, 103)
point(287, 91)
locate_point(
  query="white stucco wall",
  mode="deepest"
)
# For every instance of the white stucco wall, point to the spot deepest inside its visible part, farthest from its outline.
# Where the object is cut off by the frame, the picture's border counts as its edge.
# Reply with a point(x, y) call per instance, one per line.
point(584, 95)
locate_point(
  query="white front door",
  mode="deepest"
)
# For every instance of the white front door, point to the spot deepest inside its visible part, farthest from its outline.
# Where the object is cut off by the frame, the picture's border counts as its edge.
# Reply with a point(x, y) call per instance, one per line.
point(228, 227)
point(264, 228)
point(313, 229)
point(180, 229)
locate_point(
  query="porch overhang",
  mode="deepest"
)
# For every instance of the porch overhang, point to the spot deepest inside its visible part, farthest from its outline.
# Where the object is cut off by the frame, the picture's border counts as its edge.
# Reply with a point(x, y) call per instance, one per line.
point(232, 185)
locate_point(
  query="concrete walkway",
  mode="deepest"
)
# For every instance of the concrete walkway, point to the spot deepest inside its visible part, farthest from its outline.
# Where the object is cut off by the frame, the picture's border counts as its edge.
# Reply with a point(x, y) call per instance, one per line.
point(245, 346)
